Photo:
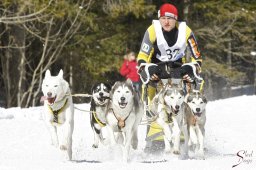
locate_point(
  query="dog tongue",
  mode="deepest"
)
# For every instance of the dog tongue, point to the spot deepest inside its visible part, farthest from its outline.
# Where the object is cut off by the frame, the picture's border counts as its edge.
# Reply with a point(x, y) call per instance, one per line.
point(50, 99)
point(198, 114)
point(43, 98)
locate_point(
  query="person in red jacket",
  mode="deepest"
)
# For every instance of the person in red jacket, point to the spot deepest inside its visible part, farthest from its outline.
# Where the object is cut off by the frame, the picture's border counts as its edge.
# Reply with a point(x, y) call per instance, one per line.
point(129, 70)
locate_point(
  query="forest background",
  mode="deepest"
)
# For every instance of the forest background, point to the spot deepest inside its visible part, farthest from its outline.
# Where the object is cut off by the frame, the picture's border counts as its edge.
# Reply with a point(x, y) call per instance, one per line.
point(88, 39)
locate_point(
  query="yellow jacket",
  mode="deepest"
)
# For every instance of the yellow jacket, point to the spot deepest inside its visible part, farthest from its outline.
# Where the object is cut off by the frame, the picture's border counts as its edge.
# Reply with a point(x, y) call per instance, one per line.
point(149, 48)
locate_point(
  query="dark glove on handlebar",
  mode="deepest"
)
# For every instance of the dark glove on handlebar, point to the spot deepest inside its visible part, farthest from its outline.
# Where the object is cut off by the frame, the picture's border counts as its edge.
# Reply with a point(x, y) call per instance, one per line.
point(186, 72)
point(154, 70)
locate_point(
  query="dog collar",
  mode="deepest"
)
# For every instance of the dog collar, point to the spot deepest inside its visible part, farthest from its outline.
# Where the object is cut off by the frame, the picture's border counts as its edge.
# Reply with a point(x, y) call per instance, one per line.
point(120, 121)
point(56, 112)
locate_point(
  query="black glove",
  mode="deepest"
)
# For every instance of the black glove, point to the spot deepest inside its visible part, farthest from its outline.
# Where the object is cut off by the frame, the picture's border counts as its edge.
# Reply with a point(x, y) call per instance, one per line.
point(146, 70)
point(154, 69)
point(189, 72)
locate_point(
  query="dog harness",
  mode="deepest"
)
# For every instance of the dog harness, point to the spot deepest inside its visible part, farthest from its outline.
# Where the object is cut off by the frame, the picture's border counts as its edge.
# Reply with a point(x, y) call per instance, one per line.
point(56, 112)
point(120, 121)
point(169, 117)
point(98, 120)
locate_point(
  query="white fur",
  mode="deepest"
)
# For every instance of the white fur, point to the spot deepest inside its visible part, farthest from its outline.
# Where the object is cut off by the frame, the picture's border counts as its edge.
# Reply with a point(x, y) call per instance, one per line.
point(61, 132)
point(131, 112)
point(196, 103)
point(99, 107)
point(166, 102)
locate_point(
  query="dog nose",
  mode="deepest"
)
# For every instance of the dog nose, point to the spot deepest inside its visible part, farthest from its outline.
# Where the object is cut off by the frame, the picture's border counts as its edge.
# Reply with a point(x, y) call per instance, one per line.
point(122, 98)
point(198, 109)
point(49, 94)
point(101, 94)
point(177, 107)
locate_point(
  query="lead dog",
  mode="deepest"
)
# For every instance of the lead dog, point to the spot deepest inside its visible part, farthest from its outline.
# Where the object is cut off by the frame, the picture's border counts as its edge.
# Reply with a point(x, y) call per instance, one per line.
point(99, 102)
point(168, 105)
point(125, 111)
point(195, 118)
point(59, 111)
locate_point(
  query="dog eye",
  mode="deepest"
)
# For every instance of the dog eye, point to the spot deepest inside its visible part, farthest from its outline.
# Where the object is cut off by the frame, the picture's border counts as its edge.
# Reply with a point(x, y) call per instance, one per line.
point(46, 85)
point(118, 91)
point(127, 91)
point(193, 102)
point(201, 102)
point(56, 86)
point(171, 97)
point(180, 97)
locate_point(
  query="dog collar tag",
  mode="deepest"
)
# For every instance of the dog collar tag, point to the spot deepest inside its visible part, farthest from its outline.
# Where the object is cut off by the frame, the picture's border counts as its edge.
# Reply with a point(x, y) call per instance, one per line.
point(121, 124)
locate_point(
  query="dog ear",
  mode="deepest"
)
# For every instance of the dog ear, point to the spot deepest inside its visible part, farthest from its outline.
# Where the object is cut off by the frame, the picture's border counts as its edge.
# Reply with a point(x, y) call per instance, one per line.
point(60, 75)
point(108, 86)
point(93, 87)
point(65, 87)
point(188, 98)
point(129, 81)
point(112, 89)
point(48, 73)
point(130, 85)
point(181, 92)
point(160, 98)
point(116, 83)
point(204, 99)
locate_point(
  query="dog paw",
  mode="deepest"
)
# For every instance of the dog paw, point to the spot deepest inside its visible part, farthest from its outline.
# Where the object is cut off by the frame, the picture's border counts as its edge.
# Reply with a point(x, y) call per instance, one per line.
point(95, 146)
point(63, 147)
point(200, 155)
point(176, 152)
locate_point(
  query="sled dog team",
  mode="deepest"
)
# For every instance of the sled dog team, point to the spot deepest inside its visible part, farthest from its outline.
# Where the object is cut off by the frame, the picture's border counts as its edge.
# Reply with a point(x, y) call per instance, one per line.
point(119, 109)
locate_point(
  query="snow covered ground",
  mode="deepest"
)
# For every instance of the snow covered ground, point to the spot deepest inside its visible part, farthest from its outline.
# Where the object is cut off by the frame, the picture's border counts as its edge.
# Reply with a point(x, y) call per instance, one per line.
point(230, 130)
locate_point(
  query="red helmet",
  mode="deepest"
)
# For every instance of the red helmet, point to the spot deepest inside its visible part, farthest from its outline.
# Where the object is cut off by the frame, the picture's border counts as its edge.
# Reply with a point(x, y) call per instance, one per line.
point(168, 10)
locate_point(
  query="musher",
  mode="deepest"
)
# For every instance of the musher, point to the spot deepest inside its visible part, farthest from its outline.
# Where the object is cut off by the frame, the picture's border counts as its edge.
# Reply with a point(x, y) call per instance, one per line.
point(162, 56)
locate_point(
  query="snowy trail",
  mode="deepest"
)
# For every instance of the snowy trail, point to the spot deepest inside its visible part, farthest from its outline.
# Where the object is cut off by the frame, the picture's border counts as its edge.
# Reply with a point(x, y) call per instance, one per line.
point(25, 142)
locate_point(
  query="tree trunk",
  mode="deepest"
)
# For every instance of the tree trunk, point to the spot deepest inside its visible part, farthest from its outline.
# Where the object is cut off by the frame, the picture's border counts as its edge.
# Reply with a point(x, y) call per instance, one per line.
point(20, 43)
point(9, 65)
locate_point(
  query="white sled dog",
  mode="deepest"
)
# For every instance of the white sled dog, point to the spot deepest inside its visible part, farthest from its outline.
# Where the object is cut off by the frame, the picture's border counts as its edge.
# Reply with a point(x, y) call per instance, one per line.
point(195, 118)
point(125, 111)
point(59, 111)
point(169, 108)
point(99, 102)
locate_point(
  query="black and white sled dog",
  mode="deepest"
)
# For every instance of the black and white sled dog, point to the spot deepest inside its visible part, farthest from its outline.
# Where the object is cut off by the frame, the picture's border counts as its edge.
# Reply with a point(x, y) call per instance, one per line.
point(59, 111)
point(196, 119)
point(125, 111)
point(99, 102)
point(169, 108)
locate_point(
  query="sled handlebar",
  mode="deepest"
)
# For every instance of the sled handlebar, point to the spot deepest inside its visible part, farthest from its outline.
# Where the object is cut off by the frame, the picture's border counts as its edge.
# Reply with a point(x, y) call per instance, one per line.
point(172, 63)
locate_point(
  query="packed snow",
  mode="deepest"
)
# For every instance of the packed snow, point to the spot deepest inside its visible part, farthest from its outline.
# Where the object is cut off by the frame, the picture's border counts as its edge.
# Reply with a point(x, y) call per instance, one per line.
point(230, 140)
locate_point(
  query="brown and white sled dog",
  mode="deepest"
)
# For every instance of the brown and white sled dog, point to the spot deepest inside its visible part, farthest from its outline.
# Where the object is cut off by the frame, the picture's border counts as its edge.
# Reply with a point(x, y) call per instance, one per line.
point(59, 111)
point(125, 111)
point(168, 105)
point(195, 118)
point(99, 102)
